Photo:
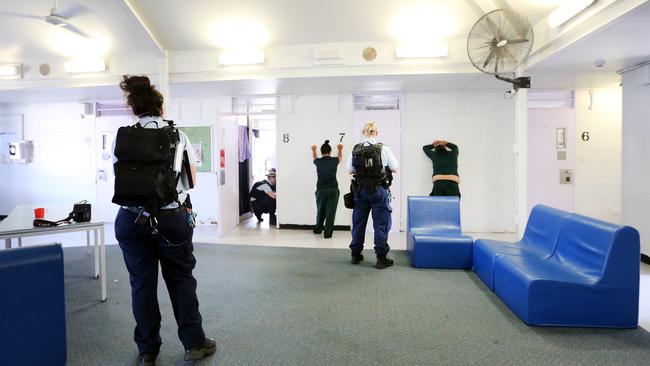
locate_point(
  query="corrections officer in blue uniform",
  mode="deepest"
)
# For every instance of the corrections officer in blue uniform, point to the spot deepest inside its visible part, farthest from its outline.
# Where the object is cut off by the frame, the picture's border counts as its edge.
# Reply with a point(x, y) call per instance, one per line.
point(170, 246)
point(372, 196)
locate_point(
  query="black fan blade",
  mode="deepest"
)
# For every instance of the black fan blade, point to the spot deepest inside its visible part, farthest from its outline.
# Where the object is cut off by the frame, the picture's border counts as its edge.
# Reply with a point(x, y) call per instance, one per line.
point(517, 41)
point(489, 57)
point(18, 15)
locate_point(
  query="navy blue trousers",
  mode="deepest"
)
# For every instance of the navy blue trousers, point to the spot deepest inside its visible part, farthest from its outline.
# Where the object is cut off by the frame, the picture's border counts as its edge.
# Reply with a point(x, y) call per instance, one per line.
point(142, 253)
point(377, 201)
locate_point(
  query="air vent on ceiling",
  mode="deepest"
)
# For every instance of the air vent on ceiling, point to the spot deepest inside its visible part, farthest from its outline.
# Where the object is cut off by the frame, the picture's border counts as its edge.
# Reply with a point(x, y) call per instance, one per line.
point(377, 102)
point(327, 56)
point(112, 109)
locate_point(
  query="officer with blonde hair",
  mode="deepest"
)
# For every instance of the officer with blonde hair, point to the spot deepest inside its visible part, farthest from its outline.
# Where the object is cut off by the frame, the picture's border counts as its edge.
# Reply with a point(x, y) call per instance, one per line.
point(372, 164)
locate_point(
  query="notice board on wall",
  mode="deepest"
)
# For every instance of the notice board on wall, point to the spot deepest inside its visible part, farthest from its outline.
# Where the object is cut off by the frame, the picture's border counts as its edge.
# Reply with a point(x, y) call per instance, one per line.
point(201, 140)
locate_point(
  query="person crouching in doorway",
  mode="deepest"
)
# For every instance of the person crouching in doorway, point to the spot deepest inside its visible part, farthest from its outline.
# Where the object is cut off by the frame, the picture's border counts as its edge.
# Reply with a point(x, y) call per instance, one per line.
point(327, 188)
point(263, 198)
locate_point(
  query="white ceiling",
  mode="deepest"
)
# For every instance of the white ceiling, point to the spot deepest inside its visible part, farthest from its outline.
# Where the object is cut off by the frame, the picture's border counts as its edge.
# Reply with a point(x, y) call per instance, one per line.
point(185, 25)
point(23, 35)
point(188, 26)
point(622, 44)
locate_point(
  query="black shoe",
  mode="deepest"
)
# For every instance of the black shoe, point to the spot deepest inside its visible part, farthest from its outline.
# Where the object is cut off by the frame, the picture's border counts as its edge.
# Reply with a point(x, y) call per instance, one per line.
point(356, 258)
point(317, 231)
point(209, 347)
point(383, 262)
point(273, 220)
point(327, 236)
point(147, 359)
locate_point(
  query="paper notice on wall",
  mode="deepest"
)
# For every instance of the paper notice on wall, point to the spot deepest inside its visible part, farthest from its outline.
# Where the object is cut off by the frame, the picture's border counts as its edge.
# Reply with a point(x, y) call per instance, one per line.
point(199, 154)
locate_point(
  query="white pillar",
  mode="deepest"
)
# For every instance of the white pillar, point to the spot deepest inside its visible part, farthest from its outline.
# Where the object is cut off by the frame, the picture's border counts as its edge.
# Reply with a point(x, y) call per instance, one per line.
point(164, 81)
point(521, 161)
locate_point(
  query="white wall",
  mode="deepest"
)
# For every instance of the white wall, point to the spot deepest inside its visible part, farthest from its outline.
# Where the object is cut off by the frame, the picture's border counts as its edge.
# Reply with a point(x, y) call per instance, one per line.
point(187, 111)
point(598, 161)
point(636, 151)
point(63, 169)
point(309, 120)
point(482, 124)
point(483, 127)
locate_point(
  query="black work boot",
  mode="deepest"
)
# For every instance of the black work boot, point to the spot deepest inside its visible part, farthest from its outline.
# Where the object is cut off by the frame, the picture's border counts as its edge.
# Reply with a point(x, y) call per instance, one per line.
point(383, 262)
point(209, 347)
point(147, 359)
point(356, 258)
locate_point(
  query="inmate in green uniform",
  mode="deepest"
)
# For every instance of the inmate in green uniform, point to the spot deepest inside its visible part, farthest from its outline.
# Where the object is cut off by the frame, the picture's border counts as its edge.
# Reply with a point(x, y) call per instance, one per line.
point(327, 194)
point(444, 163)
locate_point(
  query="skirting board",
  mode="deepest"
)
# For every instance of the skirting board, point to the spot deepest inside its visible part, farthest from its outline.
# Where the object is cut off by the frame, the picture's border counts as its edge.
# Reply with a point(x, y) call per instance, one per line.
point(311, 227)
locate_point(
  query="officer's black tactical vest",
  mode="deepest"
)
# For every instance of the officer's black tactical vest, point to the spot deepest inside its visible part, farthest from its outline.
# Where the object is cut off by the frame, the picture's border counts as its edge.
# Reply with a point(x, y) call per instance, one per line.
point(144, 171)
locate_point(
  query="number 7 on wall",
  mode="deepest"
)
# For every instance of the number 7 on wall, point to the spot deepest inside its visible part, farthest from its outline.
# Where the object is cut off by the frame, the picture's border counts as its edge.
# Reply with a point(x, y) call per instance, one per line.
point(342, 134)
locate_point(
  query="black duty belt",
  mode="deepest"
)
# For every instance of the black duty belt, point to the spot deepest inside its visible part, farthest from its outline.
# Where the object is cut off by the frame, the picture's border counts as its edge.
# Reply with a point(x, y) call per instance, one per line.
point(169, 211)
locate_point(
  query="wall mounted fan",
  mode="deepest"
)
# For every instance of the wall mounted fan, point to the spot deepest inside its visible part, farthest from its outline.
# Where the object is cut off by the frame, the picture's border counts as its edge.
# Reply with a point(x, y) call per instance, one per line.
point(499, 42)
point(56, 17)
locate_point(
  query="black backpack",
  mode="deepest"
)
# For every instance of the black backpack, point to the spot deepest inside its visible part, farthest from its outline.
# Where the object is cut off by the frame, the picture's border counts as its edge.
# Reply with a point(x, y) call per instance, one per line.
point(144, 171)
point(368, 167)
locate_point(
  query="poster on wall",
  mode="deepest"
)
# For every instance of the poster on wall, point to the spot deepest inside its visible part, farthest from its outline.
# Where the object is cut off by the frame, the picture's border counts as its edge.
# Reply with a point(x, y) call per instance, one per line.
point(201, 140)
point(199, 155)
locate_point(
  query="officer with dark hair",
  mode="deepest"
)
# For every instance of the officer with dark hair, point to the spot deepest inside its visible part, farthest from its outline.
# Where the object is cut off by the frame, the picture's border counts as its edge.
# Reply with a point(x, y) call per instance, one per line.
point(444, 157)
point(327, 187)
point(157, 236)
point(263, 198)
point(372, 165)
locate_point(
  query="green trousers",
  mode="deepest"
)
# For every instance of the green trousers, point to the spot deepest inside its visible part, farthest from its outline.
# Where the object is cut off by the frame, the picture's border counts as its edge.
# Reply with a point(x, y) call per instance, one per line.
point(327, 200)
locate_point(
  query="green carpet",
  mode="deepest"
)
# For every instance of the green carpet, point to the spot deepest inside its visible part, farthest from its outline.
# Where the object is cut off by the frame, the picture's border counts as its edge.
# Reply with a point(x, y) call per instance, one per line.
point(289, 306)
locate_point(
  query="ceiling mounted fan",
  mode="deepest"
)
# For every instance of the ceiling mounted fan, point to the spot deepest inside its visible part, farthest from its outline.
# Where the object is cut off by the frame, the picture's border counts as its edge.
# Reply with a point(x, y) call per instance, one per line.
point(56, 17)
point(499, 43)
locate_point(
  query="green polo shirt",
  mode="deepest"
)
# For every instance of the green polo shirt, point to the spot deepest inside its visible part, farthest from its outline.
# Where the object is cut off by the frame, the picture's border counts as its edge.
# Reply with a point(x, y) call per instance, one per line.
point(446, 162)
point(326, 169)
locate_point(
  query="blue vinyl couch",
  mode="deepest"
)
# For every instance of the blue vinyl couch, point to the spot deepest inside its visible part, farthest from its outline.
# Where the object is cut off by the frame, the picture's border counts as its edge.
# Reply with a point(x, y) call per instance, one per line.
point(32, 306)
point(434, 237)
point(568, 270)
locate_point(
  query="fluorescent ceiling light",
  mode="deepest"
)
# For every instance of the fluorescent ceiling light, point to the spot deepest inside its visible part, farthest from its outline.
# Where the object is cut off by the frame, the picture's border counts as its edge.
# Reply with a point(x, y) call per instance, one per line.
point(240, 33)
point(241, 57)
point(423, 23)
point(85, 65)
point(421, 51)
point(567, 11)
point(11, 71)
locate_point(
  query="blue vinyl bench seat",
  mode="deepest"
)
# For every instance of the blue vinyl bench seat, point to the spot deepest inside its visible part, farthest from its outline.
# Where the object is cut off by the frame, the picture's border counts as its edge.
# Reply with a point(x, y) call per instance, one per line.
point(434, 237)
point(590, 277)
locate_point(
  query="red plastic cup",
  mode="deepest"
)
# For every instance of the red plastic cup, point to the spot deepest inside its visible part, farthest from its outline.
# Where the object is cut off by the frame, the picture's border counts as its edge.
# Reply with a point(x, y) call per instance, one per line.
point(39, 212)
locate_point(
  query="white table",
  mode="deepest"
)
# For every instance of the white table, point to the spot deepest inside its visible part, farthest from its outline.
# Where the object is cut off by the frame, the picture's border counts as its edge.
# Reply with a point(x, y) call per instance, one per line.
point(19, 224)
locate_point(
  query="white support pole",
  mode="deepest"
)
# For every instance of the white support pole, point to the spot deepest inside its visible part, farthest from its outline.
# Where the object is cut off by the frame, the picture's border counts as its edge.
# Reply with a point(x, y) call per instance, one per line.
point(521, 161)
point(163, 73)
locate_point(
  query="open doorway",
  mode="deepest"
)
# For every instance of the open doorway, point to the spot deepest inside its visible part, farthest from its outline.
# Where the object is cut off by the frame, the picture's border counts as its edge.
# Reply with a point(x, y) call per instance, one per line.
point(256, 130)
